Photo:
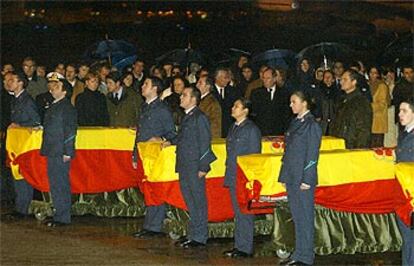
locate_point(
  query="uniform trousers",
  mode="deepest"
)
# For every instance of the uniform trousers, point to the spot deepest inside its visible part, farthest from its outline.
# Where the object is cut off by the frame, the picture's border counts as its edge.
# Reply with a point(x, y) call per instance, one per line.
point(154, 218)
point(24, 195)
point(407, 248)
point(301, 205)
point(244, 226)
point(193, 190)
point(58, 172)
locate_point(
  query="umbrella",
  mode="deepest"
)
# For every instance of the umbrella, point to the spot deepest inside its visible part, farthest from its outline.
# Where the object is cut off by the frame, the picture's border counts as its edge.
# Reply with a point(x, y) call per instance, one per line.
point(275, 58)
point(399, 50)
point(112, 50)
point(229, 57)
point(183, 57)
point(322, 52)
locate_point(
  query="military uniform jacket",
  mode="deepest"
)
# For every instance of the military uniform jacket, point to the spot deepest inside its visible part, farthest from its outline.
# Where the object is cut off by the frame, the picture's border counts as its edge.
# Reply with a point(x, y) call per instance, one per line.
point(300, 160)
point(405, 148)
point(24, 111)
point(59, 130)
point(194, 143)
point(242, 140)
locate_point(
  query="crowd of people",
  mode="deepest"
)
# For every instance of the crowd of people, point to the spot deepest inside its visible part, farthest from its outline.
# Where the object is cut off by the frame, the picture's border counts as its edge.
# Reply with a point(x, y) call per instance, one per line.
point(188, 107)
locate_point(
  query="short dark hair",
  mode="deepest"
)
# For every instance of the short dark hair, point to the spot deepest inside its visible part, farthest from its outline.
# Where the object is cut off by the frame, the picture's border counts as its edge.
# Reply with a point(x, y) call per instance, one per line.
point(246, 103)
point(115, 76)
point(306, 97)
point(195, 92)
point(139, 59)
point(71, 65)
point(410, 102)
point(157, 82)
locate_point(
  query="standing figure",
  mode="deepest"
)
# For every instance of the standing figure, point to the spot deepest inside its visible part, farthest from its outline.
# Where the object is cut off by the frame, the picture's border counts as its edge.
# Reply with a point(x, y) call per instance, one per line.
point(155, 124)
point(299, 174)
point(244, 138)
point(194, 156)
point(405, 153)
point(23, 114)
point(58, 145)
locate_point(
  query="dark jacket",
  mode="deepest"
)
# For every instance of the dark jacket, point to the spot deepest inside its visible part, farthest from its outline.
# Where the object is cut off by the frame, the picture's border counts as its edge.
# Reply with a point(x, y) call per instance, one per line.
point(92, 109)
point(327, 101)
point(300, 160)
point(59, 130)
point(271, 116)
point(43, 102)
point(125, 111)
point(405, 148)
point(241, 140)
point(403, 91)
point(353, 121)
point(212, 109)
point(36, 86)
point(6, 99)
point(194, 143)
point(231, 94)
point(24, 111)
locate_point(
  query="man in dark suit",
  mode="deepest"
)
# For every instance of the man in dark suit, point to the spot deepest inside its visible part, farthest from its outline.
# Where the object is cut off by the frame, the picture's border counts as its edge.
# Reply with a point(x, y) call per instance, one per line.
point(23, 114)
point(226, 96)
point(270, 106)
point(194, 156)
point(139, 76)
point(58, 144)
point(155, 124)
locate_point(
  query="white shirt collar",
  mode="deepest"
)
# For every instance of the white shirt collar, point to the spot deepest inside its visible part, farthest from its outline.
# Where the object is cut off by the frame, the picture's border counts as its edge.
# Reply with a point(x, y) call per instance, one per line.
point(239, 123)
point(72, 82)
point(119, 92)
point(273, 88)
point(153, 99)
point(18, 94)
point(409, 128)
point(204, 95)
point(189, 110)
point(300, 117)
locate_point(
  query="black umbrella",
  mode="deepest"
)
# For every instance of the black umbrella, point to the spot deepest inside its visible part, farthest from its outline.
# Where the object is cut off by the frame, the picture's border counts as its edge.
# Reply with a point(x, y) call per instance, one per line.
point(400, 50)
point(229, 57)
point(323, 52)
point(111, 50)
point(275, 58)
point(183, 57)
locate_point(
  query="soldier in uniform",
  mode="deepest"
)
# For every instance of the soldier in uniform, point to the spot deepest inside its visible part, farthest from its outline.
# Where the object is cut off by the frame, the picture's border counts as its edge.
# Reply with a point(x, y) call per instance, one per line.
point(155, 124)
point(24, 113)
point(405, 153)
point(193, 159)
point(58, 145)
point(244, 138)
point(299, 174)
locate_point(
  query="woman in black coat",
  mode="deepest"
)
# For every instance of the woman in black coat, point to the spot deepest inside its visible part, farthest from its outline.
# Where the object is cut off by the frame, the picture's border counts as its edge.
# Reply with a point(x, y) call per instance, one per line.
point(405, 153)
point(299, 174)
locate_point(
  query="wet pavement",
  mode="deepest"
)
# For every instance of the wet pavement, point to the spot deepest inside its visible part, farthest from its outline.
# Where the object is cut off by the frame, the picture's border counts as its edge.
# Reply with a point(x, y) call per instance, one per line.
point(92, 240)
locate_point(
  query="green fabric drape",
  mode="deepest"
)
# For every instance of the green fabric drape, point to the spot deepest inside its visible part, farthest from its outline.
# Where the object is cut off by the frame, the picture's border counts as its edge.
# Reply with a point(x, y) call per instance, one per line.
point(123, 203)
point(340, 232)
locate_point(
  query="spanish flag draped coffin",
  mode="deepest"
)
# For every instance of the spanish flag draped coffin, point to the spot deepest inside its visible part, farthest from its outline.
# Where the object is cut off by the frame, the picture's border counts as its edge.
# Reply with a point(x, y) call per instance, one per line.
point(361, 181)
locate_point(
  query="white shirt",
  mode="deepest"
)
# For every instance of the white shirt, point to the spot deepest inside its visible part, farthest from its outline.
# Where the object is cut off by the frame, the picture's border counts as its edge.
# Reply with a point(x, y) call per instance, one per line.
point(153, 99)
point(118, 93)
point(72, 82)
point(17, 95)
point(239, 123)
point(272, 91)
point(220, 91)
point(189, 110)
point(204, 95)
point(300, 117)
point(409, 128)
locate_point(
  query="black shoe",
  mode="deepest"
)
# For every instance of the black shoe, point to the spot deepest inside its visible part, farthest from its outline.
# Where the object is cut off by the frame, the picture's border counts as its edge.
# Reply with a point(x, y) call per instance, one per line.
point(192, 244)
point(147, 234)
point(235, 253)
point(54, 224)
point(291, 262)
point(15, 216)
point(181, 241)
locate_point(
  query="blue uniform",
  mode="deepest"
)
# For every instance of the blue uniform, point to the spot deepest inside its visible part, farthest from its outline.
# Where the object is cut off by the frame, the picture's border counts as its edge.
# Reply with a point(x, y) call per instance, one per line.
point(300, 160)
point(155, 121)
point(24, 113)
point(405, 153)
point(242, 139)
point(59, 133)
point(194, 154)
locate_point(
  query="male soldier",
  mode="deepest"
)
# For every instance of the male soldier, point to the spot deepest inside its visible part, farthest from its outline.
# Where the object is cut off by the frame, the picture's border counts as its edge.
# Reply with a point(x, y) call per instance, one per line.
point(23, 114)
point(155, 123)
point(58, 144)
point(194, 156)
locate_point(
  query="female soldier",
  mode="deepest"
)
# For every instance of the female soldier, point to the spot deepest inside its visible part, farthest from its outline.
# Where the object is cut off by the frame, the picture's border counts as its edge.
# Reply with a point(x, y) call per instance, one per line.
point(405, 153)
point(243, 138)
point(299, 174)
